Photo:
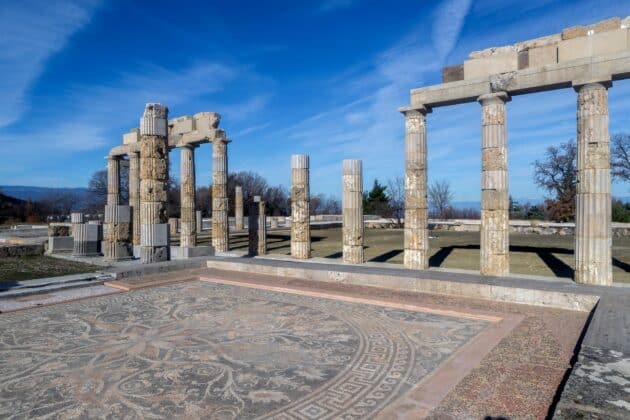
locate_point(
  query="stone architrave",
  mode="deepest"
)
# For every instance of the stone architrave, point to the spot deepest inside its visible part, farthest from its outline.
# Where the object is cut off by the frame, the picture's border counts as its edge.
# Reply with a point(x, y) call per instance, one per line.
point(220, 221)
point(593, 230)
point(495, 223)
point(238, 208)
point(134, 195)
point(154, 246)
point(416, 242)
point(300, 207)
point(352, 204)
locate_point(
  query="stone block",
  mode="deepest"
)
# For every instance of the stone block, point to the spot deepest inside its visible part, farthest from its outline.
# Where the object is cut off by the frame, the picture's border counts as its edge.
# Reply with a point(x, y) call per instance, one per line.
point(494, 158)
point(452, 73)
point(543, 56)
point(494, 200)
point(179, 253)
point(181, 125)
point(58, 244)
point(493, 64)
point(523, 59)
point(59, 229)
point(117, 214)
point(132, 137)
point(597, 44)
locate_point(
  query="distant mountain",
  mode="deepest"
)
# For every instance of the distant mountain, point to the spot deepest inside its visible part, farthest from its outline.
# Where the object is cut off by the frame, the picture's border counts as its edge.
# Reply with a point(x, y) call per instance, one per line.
point(37, 193)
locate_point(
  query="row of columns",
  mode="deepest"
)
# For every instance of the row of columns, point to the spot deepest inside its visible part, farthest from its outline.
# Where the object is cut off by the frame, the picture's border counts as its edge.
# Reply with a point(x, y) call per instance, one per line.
point(593, 236)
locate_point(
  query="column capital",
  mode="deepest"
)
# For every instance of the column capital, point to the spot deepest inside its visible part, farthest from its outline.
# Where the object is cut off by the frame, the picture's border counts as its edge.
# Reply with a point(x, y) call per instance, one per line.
point(495, 97)
point(191, 146)
point(113, 157)
point(579, 85)
point(419, 109)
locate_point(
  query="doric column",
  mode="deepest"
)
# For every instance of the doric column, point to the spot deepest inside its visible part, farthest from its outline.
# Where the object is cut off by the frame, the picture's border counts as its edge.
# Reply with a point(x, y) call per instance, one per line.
point(495, 223)
point(220, 228)
point(154, 184)
point(134, 195)
point(188, 227)
point(199, 221)
point(238, 208)
point(85, 242)
point(593, 235)
point(117, 233)
point(76, 219)
point(416, 254)
point(352, 203)
point(257, 229)
point(300, 207)
point(113, 180)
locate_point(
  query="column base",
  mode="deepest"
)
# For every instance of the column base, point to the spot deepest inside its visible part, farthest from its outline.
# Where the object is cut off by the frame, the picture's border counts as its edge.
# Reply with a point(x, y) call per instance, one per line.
point(301, 250)
point(153, 254)
point(415, 259)
point(353, 254)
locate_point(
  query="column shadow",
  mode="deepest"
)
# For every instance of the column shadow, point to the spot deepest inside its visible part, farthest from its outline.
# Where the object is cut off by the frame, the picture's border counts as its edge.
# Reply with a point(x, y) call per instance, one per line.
point(620, 264)
point(386, 256)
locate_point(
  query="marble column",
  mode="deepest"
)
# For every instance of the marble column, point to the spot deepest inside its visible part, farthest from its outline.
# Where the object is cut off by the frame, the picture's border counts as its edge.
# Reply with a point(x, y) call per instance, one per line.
point(352, 204)
point(300, 207)
point(134, 195)
point(238, 208)
point(593, 234)
point(416, 242)
point(153, 184)
point(199, 221)
point(76, 219)
point(188, 227)
point(113, 180)
point(257, 227)
point(220, 225)
point(495, 223)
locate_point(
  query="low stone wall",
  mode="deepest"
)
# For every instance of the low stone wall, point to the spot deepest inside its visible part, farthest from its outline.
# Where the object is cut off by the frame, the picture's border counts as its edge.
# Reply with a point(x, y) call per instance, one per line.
point(22, 250)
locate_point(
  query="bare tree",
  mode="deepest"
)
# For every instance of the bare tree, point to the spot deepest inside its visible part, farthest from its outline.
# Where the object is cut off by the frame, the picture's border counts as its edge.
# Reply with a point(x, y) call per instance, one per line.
point(396, 187)
point(440, 198)
point(97, 187)
point(557, 174)
point(620, 157)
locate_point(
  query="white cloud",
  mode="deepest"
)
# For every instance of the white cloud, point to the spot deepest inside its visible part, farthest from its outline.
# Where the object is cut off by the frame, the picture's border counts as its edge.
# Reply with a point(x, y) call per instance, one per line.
point(449, 20)
point(32, 32)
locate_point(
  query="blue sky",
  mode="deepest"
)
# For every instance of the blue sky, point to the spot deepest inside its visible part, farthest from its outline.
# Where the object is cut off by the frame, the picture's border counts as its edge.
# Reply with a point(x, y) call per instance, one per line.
point(319, 77)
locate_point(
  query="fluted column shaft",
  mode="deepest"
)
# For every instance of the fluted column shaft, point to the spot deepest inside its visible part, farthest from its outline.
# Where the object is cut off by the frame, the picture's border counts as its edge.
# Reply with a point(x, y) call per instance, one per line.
point(134, 195)
point(154, 184)
point(238, 208)
point(76, 219)
point(220, 227)
point(257, 227)
point(416, 243)
point(352, 204)
point(188, 227)
point(593, 235)
point(495, 224)
point(113, 180)
point(262, 228)
point(300, 207)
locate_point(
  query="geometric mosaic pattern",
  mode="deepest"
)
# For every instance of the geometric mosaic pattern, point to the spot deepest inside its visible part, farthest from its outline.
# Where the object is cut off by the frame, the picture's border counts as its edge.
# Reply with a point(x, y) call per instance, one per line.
point(201, 349)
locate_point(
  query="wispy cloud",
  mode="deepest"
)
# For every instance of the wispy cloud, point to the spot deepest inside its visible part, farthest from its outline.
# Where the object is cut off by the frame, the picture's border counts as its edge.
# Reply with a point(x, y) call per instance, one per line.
point(449, 19)
point(33, 31)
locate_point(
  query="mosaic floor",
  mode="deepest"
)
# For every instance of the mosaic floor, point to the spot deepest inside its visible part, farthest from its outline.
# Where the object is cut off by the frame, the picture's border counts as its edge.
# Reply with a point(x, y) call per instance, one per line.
point(203, 349)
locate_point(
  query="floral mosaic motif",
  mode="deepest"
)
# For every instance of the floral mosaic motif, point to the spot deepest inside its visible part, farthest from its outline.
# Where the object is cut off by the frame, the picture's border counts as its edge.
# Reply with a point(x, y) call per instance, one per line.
point(204, 349)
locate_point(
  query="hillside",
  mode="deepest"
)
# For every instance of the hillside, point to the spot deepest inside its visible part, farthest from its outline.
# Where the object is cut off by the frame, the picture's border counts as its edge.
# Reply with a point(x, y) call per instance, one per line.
point(37, 193)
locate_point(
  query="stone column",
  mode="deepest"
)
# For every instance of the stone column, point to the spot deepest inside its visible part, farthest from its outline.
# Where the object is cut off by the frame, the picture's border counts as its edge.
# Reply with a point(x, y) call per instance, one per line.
point(416, 244)
point(352, 203)
point(593, 234)
point(300, 207)
point(85, 242)
point(153, 184)
point(134, 195)
point(117, 233)
point(76, 219)
point(188, 227)
point(220, 225)
point(199, 221)
point(238, 208)
point(495, 223)
point(257, 229)
point(113, 180)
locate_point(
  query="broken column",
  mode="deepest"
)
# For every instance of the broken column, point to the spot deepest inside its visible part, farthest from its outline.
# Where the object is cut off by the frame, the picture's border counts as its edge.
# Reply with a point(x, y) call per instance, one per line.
point(86, 239)
point(593, 235)
point(300, 207)
point(134, 195)
point(238, 208)
point(257, 229)
point(220, 227)
point(416, 242)
point(495, 224)
point(188, 226)
point(153, 184)
point(199, 221)
point(117, 227)
point(352, 203)
point(76, 219)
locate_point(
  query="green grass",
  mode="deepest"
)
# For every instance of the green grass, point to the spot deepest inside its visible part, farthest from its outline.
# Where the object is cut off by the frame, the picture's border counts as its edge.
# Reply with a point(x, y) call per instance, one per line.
point(545, 255)
point(35, 267)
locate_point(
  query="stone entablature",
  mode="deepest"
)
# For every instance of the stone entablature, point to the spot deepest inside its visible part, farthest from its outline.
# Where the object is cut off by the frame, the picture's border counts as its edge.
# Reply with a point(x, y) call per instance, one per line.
point(602, 38)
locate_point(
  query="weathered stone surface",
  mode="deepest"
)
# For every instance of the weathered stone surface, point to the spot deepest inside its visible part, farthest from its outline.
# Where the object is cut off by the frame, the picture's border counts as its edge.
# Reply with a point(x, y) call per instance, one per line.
point(300, 207)
point(452, 73)
point(257, 229)
point(134, 194)
point(220, 221)
point(352, 204)
point(238, 207)
point(57, 230)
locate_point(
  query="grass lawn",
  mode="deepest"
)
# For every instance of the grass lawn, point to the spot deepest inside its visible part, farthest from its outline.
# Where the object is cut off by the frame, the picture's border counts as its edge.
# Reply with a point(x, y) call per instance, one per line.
point(35, 267)
point(546, 255)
